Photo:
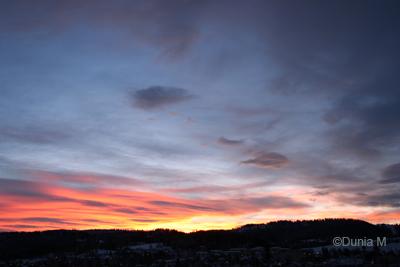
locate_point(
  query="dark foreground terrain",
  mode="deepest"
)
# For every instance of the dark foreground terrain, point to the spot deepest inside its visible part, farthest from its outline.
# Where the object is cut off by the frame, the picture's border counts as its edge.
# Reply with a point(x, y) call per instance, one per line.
point(283, 243)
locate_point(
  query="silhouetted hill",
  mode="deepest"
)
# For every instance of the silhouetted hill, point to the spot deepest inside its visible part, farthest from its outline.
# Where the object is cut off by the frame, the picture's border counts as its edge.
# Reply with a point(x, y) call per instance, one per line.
point(290, 234)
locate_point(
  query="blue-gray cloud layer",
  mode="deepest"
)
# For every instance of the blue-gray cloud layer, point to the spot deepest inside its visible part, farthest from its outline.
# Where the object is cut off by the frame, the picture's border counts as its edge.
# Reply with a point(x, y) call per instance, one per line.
point(317, 83)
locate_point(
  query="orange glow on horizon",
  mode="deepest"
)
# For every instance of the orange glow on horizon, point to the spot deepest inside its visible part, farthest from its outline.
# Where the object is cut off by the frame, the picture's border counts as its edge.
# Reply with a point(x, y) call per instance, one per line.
point(51, 204)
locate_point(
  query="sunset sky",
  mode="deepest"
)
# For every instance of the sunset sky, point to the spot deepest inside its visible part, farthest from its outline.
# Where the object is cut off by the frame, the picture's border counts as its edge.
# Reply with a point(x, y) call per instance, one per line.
point(197, 114)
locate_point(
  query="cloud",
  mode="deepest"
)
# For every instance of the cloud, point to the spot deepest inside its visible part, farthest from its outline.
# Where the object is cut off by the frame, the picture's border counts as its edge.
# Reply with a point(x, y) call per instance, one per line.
point(33, 134)
point(257, 203)
point(181, 205)
point(48, 205)
point(366, 194)
point(344, 61)
point(144, 220)
point(269, 160)
point(199, 189)
point(126, 210)
point(85, 179)
point(39, 192)
point(320, 172)
point(17, 227)
point(159, 96)
point(391, 174)
point(44, 219)
point(235, 205)
point(229, 142)
point(171, 26)
point(351, 69)
point(366, 121)
point(384, 199)
point(275, 202)
point(92, 203)
point(22, 189)
point(250, 111)
point(218, 188)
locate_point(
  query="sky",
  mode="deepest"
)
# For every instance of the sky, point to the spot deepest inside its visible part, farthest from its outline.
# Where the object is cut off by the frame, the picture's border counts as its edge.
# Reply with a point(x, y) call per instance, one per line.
point(197, 114)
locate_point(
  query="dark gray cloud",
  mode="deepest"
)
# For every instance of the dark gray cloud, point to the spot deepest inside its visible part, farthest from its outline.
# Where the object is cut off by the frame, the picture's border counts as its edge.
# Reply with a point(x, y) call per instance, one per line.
point(324, 174)
point(366, 122)
point(346, 52)
point(365, 193)
point(229, 142)
point(385, 199)
point(390, 200)
point(391, 174)
point(268, 160)
point(159, 96)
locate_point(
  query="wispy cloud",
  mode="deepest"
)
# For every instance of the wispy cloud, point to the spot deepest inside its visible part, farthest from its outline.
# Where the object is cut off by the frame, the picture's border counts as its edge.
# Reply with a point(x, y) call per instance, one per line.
point(391, 174)
point(159, 96)
point(268, 160)
point(33, 134)
point(229, 142)
point(141, 113)
point(45, 205)
point(171, 27)
point(85, 180)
